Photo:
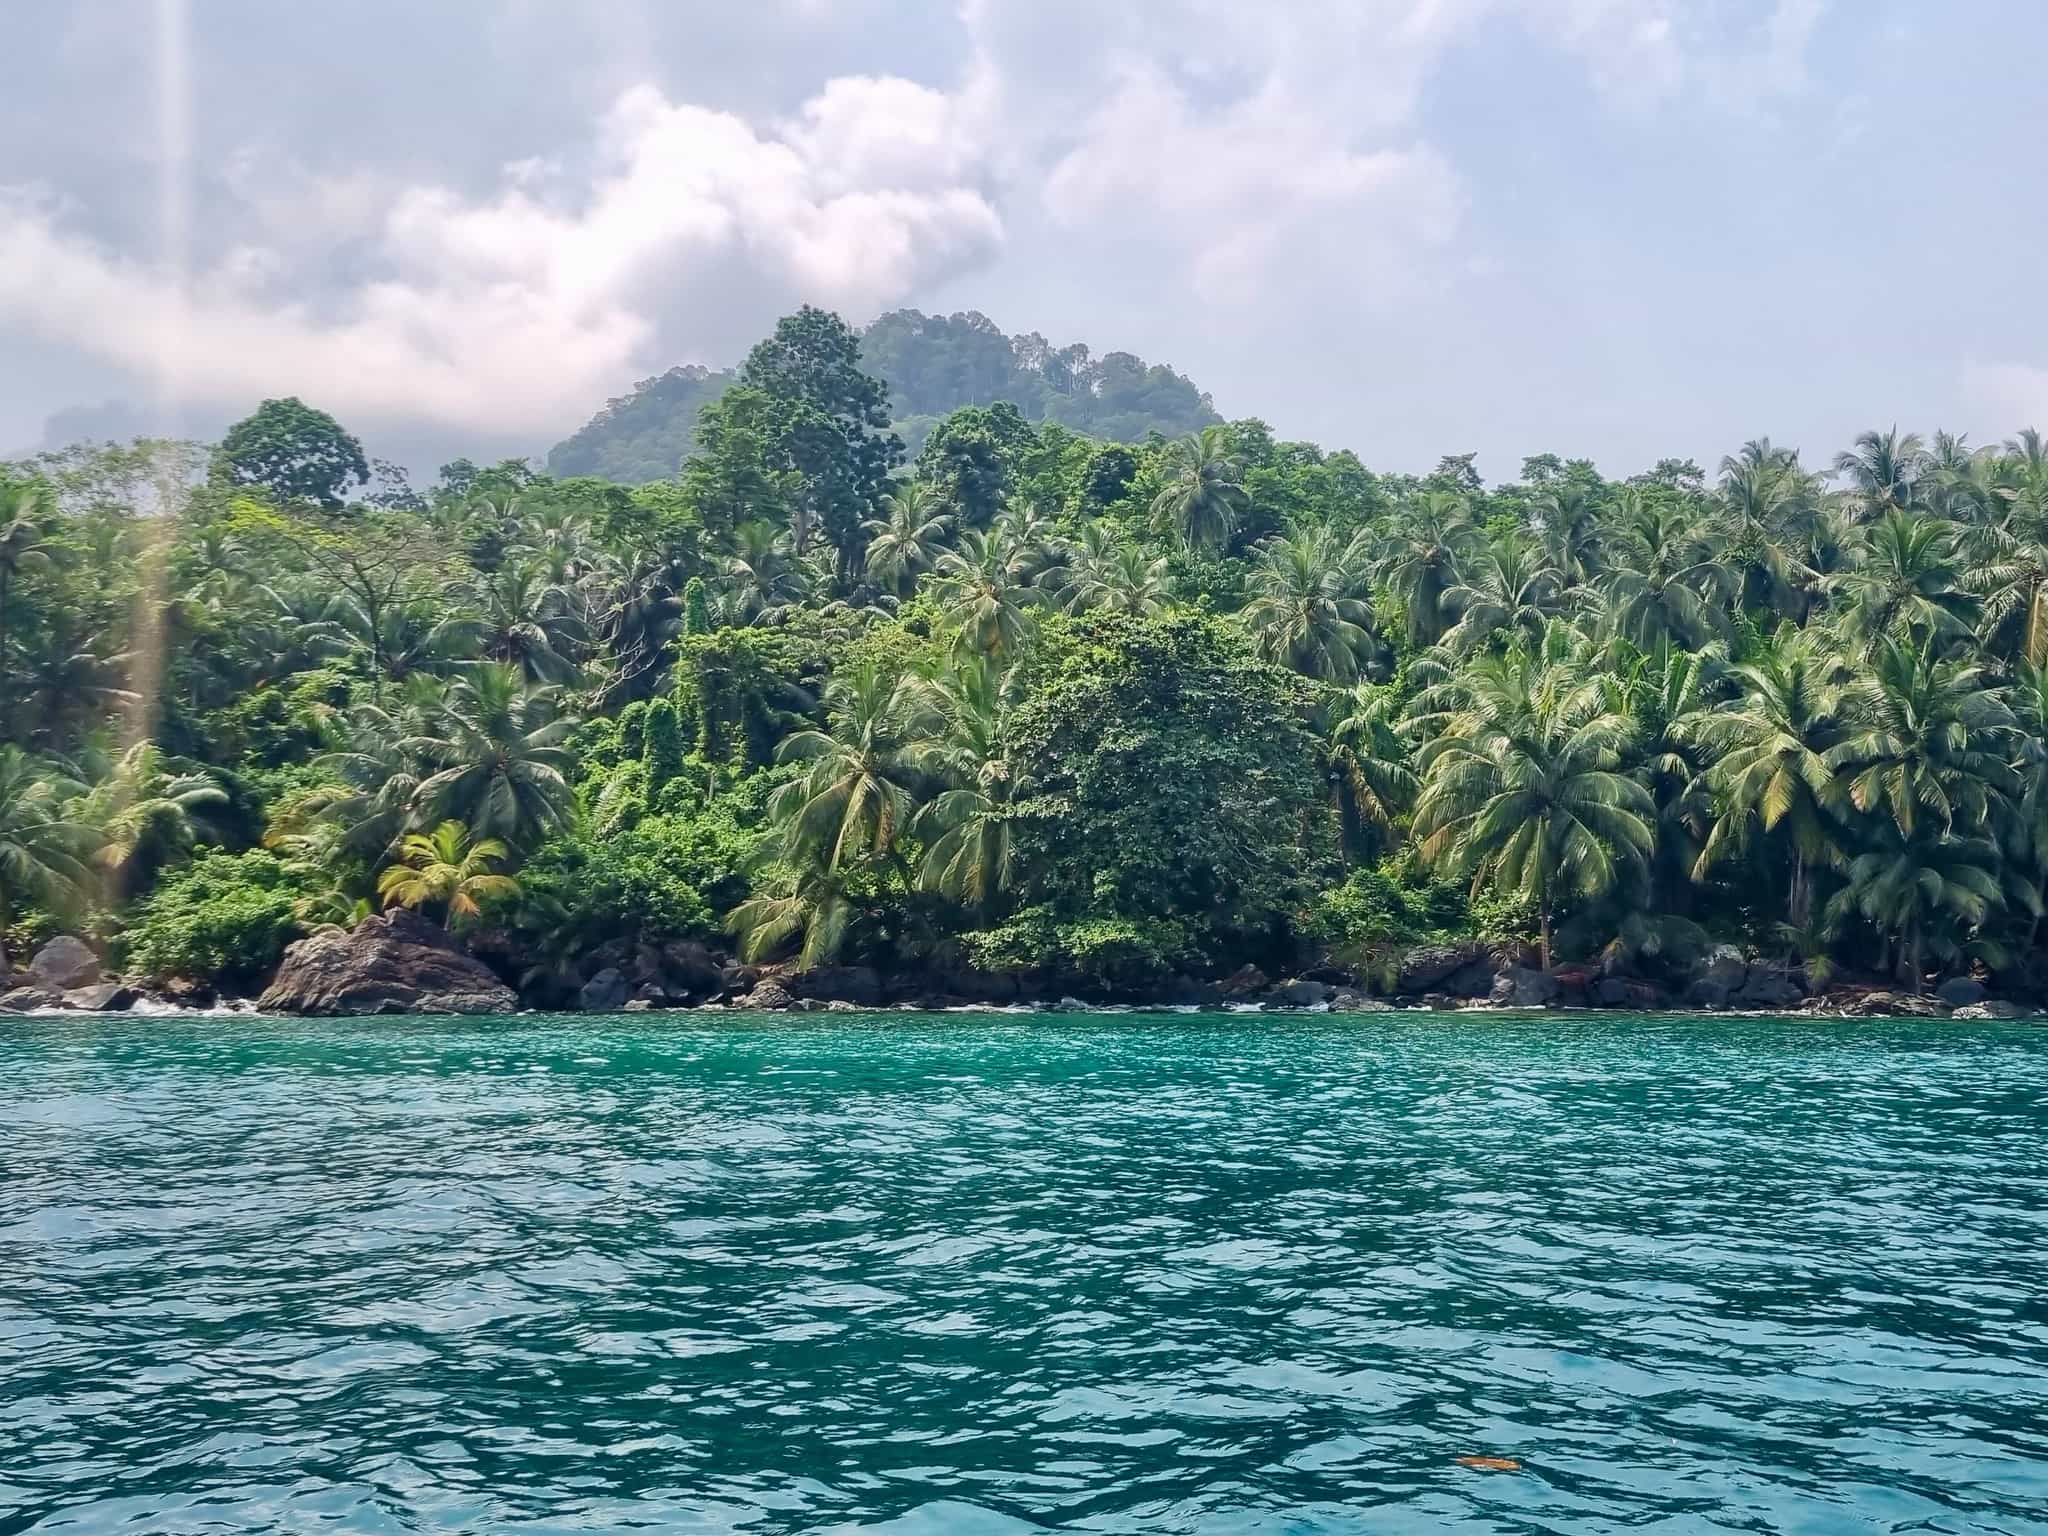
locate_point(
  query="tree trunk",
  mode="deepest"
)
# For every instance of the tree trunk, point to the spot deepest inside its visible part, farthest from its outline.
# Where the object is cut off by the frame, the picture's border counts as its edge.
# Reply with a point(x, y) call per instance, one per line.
point(1544, 950)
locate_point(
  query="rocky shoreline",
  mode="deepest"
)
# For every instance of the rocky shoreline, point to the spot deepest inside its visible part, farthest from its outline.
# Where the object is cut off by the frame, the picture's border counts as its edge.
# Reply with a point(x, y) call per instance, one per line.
point(400, 964)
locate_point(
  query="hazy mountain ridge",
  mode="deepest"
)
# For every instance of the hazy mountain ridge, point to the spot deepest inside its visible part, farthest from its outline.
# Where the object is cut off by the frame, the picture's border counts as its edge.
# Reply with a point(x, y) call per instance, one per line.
point(933, 364)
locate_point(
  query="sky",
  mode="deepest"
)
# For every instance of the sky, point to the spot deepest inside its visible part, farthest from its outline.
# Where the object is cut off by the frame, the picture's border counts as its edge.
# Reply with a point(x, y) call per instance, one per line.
point(1617, 229)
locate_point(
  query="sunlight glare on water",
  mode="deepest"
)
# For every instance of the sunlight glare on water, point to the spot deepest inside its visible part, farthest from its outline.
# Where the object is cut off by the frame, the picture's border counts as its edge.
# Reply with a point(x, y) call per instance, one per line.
point(925, 1274)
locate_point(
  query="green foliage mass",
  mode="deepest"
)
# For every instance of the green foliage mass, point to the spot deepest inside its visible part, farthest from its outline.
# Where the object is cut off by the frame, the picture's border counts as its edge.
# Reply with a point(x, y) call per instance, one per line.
point(224, 917)
point(645, 435)
point(1167, 777)
point(294, 452)
point(1112, 714)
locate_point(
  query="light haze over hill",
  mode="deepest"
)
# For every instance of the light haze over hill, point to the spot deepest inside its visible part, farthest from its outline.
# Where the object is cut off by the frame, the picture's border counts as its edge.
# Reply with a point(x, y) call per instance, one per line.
point(932, 364)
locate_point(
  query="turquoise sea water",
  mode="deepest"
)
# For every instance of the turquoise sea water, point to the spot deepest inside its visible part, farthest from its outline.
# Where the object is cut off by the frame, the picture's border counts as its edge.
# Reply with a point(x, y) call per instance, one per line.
point(983, 1274)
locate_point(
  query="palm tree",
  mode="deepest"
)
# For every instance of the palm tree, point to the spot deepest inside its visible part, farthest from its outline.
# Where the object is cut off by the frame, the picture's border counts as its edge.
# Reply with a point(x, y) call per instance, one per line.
point(1307, 612)
point(858, 792)
point(1665, 695)
point(813, 902)
point(1568, 518)
point(906, 543)
point(987, 602)
point(1203, 495)
point(1526, 789)
point(22, 506)
point(1767, 503)
point(444, 869)
point(2026, 831)
point(763, 572)
point(1884, 469)
point(502, 768)
point(1509, 592)
point(46, 848)
point(1926, 737)
point(1906, 583)
point(1929, 889)
point(148, 813)
point(969, 856)
point(1114, 574)
point(70, 685)
point(2005, 559)
point(1667, 581)
point(1367, 764)
point(406, 638)
point(1420, 560)
point(1770, 769)
point(375, 765)
point(527, 624)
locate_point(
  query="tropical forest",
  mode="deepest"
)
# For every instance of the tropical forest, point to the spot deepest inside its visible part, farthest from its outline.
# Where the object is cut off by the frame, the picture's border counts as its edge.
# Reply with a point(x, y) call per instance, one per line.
point(936, 664)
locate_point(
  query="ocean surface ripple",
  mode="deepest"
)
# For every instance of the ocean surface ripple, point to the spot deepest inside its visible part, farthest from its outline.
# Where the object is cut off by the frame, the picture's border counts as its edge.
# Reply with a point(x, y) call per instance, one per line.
point(994, 1275)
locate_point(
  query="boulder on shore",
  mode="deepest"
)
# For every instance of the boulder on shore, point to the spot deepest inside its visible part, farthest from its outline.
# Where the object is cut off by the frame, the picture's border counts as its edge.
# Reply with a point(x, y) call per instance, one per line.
point(769, 994)
point(1302, 994)
point(64, 964)
point(1522, 987)
point(397, 963)
point(859, 985)
point(1769, 989)
point(103, 997)
point(1725, 967)
point(1427, 968)
point(1960, 991)
point(606, 992)
point(26, 996)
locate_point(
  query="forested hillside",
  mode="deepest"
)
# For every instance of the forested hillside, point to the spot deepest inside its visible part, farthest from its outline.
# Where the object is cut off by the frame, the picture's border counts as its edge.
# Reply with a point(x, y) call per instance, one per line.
point(932, 364)
point(1032, 705)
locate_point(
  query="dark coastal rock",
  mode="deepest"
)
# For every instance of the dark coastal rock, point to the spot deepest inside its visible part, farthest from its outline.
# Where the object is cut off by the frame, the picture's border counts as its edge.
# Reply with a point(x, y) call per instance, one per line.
point(606, 992)
point(1347, 1001)
point(1992, 1009)
point(1769, 989)
point(1725, 967)
point(1186, 992)
point(1960, 991)
point(1520, 987)
point(1302, 994)
point(183, 992)
point(1245, 983)
point(689, 971)
point(1430, 967)
point(64, 964)
point(1627, 992)
point(859, 985)
point(770, 995)
point(398, 963)
point(1707, 993)
point(28, 995)
point(103, 997)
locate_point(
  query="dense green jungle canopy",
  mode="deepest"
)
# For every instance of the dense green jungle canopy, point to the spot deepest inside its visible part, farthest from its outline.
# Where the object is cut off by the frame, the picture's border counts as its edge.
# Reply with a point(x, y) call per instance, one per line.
point(1031, 700)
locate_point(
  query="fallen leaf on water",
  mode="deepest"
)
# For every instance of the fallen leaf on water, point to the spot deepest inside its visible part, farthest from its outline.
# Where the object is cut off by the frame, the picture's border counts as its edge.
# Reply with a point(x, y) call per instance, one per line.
point(1489, 1463)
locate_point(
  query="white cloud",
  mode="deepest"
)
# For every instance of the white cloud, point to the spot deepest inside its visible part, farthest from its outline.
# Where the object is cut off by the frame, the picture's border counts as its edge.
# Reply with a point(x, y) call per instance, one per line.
point(516, 312)
point(1203, 149)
